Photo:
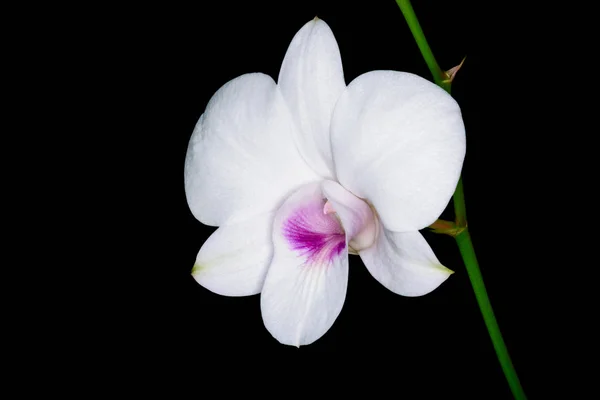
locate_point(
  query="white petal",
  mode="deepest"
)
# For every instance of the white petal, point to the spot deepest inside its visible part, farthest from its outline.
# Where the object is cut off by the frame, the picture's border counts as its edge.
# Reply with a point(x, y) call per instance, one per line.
point(305, 287)
point(234, 259)
point(311, 80)
point(398, 141)
point(241, 159)
point(357, 218)
point(404, 263)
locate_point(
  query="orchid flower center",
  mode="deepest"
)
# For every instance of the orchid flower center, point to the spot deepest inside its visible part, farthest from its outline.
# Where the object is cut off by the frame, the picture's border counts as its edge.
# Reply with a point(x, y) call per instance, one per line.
point(319, 233)
point(316, 235)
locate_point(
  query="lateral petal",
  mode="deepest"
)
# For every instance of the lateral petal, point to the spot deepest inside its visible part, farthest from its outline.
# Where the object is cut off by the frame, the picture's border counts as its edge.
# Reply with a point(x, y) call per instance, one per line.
point(398, 141)
point(241, 159)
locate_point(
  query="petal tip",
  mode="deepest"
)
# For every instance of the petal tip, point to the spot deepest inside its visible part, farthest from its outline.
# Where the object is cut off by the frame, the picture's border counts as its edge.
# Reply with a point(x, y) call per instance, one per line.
point(443, 268)
point(199, 273)
point(199, 276)
point(196, 269)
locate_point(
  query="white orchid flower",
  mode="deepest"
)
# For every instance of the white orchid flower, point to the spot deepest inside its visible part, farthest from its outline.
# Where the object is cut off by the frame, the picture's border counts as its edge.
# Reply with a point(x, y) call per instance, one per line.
point(301, 173)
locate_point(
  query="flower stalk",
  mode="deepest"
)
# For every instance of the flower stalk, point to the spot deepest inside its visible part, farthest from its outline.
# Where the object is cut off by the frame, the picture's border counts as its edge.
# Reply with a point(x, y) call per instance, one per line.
point(459, 229)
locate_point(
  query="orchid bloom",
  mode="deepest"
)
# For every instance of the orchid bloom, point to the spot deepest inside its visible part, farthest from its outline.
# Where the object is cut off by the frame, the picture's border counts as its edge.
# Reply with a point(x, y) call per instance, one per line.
point(300, 173)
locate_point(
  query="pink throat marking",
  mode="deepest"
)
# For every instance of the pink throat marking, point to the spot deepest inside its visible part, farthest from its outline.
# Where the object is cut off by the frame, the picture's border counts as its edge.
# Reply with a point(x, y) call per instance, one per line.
point(317, 236)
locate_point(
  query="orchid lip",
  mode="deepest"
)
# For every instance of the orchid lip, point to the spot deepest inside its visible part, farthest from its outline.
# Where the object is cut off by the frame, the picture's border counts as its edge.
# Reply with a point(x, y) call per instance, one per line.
point(317, 233)
point(317, 236)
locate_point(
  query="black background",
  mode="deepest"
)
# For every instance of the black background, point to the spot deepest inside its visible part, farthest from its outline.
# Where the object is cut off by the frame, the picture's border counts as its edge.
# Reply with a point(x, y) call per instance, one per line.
point(171, 59)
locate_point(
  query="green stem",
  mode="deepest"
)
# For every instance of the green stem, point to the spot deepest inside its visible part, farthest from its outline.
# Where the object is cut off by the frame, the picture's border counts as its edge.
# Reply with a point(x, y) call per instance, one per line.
point(468, 254)
point(463, 239)
point(415, 28)
point(460, 212)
